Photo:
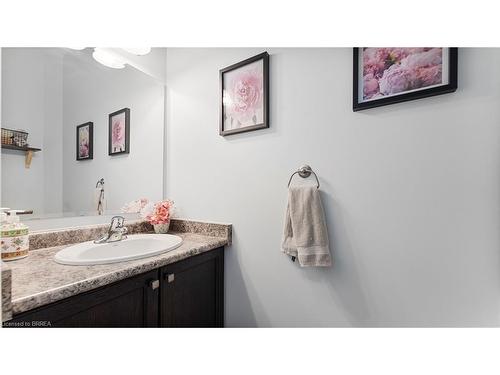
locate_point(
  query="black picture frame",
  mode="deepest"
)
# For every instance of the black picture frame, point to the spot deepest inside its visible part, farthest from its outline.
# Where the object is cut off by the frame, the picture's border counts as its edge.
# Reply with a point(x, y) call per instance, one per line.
point(451, 86)
point(112, 152)
point(264, 56)
point(91, 141)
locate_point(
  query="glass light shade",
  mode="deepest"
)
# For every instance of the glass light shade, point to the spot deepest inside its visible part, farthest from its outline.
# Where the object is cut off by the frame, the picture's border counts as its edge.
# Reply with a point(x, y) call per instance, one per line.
point(138, 51)
point(107, 59)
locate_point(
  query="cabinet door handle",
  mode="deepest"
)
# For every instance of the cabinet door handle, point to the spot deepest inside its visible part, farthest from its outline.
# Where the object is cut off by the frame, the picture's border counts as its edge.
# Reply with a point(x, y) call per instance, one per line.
point(170, 277)
point(155, 284)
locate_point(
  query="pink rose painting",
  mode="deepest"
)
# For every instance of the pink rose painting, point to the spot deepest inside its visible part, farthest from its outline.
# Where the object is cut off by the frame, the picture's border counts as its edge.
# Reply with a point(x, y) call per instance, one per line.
point(244, 96)
point(391, 72)
point(118, 132)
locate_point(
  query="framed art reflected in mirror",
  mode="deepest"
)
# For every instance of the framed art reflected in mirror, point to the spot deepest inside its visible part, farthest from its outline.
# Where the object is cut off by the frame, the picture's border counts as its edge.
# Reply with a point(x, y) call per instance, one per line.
point(85, 141)
point(119, 132)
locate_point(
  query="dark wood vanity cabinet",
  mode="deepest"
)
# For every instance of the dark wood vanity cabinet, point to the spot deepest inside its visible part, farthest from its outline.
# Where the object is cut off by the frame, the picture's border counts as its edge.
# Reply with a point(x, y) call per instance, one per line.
point(192, 292)
point(189, 293)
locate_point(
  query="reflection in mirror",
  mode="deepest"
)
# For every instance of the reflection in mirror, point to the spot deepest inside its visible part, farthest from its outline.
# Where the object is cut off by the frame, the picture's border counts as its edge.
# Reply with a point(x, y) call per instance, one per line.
point(63, 99)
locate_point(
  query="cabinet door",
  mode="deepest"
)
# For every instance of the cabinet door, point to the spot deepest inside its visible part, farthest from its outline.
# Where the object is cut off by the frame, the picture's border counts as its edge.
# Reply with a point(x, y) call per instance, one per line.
point(192, 291)
point(129, 303)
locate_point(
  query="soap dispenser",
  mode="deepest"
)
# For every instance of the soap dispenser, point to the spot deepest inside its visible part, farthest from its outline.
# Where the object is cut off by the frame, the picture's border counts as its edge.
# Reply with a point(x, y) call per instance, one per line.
point(15, 239)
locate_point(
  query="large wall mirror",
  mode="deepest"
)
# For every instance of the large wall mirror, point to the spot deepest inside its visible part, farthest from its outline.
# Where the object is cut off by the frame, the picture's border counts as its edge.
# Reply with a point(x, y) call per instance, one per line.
point(60, 100)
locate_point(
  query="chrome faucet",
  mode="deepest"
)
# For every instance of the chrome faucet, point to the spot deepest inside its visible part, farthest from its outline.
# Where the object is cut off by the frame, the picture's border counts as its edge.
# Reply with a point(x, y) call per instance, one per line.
point(116, 232)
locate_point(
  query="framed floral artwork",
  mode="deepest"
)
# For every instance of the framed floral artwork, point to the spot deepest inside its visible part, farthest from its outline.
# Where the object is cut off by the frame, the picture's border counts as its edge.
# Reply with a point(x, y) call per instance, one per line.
point(390, 75)
point(244, 96)
point(119, 132)
point(85, 141)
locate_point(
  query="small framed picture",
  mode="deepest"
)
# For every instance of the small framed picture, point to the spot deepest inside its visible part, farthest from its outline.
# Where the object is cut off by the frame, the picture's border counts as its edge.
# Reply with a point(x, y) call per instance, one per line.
point(119, 132)
point(391, 75)
point(244, 96)
point(85, 141)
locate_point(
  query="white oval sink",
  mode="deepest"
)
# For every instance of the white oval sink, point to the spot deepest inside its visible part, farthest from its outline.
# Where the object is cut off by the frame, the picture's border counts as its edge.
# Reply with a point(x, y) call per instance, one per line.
point(134, 247)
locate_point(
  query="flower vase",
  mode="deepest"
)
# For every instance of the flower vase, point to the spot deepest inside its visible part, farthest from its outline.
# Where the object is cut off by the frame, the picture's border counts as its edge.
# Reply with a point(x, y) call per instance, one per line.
point(161, 228)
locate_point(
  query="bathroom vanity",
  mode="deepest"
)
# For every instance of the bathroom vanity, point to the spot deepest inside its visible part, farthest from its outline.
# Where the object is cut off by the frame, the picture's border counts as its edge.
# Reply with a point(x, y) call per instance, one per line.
point(189, 293)
point(180, 288)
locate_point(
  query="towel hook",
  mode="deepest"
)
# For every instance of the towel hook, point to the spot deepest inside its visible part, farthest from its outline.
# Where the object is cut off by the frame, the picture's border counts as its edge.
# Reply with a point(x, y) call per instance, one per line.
point(304, 172)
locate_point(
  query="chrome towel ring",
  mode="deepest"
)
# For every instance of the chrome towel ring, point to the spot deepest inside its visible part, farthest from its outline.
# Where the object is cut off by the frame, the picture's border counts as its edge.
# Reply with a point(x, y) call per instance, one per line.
point(304, 172)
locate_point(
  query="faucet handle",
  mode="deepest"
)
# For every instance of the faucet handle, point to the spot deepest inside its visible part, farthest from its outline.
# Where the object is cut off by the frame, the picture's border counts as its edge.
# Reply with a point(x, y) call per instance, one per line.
point(117, 222)
point(116, 232)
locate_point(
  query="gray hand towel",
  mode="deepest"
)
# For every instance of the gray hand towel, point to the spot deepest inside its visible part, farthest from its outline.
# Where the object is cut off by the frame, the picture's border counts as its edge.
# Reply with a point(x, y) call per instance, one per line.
point(305, 234)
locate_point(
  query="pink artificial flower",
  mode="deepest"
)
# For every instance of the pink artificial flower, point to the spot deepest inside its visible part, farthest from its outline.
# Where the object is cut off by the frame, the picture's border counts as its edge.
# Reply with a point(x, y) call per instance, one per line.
point(161, 213)
point(245, 92)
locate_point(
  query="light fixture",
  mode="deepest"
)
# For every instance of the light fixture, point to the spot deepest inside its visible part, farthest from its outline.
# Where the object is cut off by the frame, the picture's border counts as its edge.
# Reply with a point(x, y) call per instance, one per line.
point(77, 48)
point(107, 58)
point(138, 51)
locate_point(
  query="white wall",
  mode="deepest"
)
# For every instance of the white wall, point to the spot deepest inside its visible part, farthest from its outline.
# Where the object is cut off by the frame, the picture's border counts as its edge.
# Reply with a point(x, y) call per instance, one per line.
point(411, 191)
point(91, 92)
point(32, 100)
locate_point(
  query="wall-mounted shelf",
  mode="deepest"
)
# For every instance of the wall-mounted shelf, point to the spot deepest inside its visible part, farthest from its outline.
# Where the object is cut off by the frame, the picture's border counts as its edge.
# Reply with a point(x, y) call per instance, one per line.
point(27, 150)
